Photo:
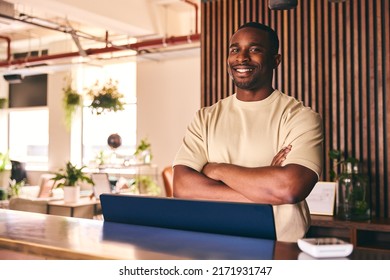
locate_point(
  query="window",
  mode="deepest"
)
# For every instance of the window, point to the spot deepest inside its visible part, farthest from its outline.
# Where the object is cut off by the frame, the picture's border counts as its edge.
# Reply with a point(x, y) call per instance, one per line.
point(29, 121)
point(29, 143)
point(97, 128)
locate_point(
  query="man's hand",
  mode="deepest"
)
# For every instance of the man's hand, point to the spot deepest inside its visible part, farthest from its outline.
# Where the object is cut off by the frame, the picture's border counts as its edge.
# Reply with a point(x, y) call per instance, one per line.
point(281, 156)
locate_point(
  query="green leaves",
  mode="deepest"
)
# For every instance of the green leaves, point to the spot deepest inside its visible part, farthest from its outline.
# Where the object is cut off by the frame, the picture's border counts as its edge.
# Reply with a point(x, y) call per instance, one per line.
point(143, 146)
point(4, 161)
point(106, 98)
point(71, 176)
point(337, 157)
point(71, 101)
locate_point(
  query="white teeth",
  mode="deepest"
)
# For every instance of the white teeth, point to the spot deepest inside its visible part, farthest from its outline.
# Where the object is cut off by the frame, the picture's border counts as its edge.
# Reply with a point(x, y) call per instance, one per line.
point(244, 70)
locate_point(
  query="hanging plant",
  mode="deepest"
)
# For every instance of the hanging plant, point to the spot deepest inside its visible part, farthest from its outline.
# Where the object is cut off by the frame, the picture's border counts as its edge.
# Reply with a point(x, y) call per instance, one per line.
point(71, 100)
point(106, 98)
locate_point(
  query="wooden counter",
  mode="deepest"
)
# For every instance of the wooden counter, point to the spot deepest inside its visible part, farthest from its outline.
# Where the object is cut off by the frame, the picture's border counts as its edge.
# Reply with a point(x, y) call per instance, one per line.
point(25, 235)
point(56, 237)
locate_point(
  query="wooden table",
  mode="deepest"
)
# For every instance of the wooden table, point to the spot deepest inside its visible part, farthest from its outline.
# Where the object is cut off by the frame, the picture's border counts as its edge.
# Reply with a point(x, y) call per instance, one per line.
point(43, 236)
point(85, 208)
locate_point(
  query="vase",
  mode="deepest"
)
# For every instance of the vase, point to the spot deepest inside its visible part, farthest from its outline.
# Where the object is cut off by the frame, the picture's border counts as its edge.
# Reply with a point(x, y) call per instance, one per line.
point(71, 194)
point(146, 156)
point(353, 193)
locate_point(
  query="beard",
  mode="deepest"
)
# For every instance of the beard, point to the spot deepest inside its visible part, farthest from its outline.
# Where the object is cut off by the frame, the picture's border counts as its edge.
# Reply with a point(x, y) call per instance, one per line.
point(249, 85)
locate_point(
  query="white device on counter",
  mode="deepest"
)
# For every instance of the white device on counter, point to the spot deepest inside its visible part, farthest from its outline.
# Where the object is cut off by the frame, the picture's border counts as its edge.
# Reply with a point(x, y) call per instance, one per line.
point(327, 247)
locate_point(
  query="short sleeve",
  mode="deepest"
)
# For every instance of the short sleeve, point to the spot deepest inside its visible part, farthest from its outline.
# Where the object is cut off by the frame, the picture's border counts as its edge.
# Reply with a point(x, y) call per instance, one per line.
point(304, 132)
point(193, 150)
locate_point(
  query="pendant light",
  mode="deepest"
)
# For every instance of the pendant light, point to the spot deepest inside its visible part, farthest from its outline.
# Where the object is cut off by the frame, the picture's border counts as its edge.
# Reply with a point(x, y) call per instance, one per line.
point(282, 4)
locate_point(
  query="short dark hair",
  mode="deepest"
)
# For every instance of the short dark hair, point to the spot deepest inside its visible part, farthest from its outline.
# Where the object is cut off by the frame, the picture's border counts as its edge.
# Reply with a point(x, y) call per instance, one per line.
point(271, 33)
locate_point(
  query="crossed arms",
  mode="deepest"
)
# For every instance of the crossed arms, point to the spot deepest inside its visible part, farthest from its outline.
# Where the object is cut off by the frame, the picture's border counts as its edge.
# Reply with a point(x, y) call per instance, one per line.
point(274, 184)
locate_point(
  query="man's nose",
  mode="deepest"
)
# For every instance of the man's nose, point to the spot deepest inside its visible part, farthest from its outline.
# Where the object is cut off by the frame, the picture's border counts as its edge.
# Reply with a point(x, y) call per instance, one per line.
point(243, 56)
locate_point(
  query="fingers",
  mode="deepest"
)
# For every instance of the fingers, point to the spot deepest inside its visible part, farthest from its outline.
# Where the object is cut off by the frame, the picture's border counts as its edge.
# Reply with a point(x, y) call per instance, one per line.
point(280, 157)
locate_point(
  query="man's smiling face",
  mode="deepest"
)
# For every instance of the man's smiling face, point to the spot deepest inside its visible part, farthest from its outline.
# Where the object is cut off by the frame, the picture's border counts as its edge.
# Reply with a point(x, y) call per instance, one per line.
point(251, 60)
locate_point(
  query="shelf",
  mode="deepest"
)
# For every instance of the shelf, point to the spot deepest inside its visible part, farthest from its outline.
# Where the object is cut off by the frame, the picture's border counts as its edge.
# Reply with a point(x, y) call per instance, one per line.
point(373, 234)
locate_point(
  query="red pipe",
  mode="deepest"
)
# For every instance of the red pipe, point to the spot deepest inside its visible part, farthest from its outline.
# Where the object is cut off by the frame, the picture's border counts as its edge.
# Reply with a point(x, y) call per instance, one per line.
point(196, 14)
point(8, 47)
point(136, 46)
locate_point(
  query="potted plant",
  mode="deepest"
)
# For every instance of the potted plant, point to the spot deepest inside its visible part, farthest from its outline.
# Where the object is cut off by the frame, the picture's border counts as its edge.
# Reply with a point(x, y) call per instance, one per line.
point(15, 187)
point(71, 101)
point(69, 179)
point(5, 169)
point(105, 98)
point(353, 201)
point(143, 151)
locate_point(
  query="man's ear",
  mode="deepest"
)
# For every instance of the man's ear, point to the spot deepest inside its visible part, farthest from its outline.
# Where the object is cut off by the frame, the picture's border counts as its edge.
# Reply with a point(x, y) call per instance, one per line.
point(276, 60)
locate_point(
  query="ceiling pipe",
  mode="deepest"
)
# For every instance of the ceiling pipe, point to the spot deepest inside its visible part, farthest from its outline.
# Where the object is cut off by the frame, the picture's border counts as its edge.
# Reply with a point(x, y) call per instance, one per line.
point(143, 45)
point(56, 27)
point(164, 42)
point(8, 47)
point(196, 13)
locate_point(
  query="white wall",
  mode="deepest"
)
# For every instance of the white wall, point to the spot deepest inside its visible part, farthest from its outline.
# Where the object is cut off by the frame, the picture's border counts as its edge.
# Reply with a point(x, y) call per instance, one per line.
point(168, 97)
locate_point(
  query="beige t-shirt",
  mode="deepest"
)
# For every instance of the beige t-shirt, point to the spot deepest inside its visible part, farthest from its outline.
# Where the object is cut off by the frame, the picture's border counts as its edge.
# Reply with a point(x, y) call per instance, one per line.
point(250, 134)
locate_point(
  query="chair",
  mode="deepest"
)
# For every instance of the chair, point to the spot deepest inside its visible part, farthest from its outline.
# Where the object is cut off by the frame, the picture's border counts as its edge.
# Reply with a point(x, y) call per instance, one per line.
point(102, 184)
point(47, 186)
point(167, 175)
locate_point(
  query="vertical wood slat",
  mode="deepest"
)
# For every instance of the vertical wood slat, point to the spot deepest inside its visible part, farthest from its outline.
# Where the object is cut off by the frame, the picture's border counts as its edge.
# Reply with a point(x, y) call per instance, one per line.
point(335, 59)
point(385, 7)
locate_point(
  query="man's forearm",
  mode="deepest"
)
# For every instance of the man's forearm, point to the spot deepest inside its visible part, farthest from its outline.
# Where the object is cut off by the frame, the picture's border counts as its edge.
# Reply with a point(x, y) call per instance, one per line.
point(270, 184)
point(189, 183)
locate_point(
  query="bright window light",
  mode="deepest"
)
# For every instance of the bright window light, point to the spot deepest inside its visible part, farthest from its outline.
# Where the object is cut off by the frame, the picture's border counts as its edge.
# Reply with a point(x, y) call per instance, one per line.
point(29, 143)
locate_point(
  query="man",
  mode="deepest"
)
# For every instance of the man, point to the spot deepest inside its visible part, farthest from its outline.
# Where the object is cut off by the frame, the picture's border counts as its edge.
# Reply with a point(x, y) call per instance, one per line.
point(257, 145)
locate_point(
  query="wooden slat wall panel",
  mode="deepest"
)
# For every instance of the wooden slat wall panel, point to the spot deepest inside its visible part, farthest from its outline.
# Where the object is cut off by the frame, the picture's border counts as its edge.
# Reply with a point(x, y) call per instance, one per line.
point(335, 59)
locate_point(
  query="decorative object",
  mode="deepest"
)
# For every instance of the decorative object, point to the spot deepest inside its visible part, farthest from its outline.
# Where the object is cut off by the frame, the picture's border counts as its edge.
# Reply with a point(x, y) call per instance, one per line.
point(3, 102)
point(5, 169)
point(144, 152)
point(105, 98)
point(352, 189)
point(70, 177)
point(71, 101)
point(114, 141)
point(321, 199)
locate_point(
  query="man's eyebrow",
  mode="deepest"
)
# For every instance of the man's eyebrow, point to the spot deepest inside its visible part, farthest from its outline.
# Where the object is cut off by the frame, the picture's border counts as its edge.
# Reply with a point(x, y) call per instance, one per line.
point(254, 44)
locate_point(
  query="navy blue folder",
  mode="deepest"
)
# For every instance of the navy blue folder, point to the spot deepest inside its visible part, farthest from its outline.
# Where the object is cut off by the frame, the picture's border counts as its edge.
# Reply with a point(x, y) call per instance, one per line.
point(230, 218)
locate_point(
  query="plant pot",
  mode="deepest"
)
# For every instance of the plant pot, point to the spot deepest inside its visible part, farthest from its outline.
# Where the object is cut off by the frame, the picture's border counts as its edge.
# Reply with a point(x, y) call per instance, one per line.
point(353, 194)
point(5, 175)
point(71, 194)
